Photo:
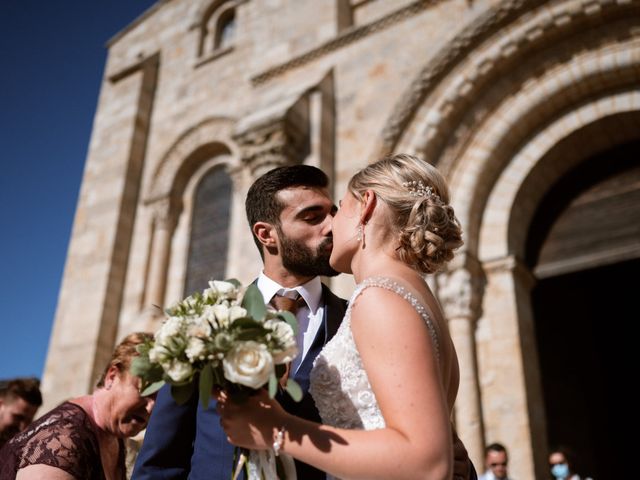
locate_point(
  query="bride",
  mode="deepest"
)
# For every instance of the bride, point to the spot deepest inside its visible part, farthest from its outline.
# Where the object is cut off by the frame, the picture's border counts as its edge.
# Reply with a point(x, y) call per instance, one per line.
point(385, 385)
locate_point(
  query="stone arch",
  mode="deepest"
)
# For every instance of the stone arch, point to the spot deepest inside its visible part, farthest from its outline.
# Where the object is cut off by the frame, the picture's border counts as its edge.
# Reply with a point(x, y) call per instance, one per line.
point(542, 161)
point(210, 137)
point(210, 141)
point(581, 87)
point(493, 157)
point(426, 116)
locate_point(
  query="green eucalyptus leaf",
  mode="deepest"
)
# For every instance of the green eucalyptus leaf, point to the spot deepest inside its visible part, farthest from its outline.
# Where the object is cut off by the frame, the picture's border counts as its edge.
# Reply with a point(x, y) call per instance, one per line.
point(205, 385)
point(256, 334)
point(153, 388)
point(245, 322)
point(234, 281)
point(182, 393)
point(294, 390)
point(273, 385)
point(140, 366)
point(253, 302)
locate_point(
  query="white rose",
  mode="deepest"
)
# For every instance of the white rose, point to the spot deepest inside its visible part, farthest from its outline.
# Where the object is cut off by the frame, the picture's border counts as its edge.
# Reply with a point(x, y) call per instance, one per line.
point(248, 363)
point(195, 349)
point(179, 371)
point(283, 334)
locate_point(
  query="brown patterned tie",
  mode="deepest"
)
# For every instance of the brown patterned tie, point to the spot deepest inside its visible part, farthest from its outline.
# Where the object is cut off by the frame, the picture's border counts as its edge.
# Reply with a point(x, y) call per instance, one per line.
point(282, 302)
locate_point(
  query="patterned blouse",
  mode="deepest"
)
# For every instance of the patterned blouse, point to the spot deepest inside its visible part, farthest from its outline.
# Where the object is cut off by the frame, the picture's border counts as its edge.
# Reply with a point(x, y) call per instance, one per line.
point(63, 438)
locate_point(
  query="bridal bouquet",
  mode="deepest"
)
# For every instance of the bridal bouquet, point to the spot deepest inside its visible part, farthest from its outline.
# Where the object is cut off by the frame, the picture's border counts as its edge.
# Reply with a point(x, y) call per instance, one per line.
point(223, 337)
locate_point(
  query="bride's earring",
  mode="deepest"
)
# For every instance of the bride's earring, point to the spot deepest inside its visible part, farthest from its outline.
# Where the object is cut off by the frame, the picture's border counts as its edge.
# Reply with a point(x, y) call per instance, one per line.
point(360, 235)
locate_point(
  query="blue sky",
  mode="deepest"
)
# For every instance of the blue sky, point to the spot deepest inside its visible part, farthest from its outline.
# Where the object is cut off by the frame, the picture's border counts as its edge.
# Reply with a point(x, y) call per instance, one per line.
point(52, 55)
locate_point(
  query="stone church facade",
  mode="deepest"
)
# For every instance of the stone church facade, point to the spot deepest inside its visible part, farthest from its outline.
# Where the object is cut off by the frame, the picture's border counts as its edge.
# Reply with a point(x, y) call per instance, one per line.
point(530, 108)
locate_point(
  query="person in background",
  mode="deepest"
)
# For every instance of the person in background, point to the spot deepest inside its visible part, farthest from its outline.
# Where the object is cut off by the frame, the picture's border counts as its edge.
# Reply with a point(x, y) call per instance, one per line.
point(495, 461)
point(20, 399)
point(81, 439)
point(561, 463)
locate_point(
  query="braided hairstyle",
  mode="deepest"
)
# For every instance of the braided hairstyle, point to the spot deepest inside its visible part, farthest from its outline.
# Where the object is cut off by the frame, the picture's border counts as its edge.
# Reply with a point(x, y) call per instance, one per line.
point(417, 196)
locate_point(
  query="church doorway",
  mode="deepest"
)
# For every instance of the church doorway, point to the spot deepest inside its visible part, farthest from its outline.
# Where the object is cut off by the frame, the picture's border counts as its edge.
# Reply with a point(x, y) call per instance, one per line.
point(584, 249)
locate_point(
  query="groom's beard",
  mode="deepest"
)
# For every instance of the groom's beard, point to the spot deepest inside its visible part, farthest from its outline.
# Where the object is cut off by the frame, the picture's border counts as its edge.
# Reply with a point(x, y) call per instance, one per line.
point(301, 260)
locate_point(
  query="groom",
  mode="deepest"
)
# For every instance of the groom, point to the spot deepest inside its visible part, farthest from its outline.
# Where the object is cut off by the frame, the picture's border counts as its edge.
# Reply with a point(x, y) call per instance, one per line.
point(290, 211)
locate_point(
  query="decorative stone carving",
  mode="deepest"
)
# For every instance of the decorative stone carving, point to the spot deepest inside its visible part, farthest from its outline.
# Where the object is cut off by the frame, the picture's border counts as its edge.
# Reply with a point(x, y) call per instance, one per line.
point(460, 291)
point(165, 212)
point(493, 61)
point(277, 135)
point(268, 147)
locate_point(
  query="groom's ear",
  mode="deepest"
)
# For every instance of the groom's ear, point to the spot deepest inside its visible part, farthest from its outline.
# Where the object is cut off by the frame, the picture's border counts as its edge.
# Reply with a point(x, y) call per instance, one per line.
point(266, 234)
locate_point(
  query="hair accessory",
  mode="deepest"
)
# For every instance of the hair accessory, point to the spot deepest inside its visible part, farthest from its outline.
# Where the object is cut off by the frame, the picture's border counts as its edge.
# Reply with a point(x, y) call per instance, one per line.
point(418, 189)
point(278, 440)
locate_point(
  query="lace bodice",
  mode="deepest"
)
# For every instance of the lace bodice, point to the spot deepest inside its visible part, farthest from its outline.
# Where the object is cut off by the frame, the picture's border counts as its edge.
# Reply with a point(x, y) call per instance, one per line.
point(63, 438)
point(339, 384)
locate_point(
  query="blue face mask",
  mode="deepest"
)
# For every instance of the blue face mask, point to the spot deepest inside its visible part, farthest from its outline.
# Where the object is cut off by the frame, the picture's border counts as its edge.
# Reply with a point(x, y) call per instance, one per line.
point(560, 471)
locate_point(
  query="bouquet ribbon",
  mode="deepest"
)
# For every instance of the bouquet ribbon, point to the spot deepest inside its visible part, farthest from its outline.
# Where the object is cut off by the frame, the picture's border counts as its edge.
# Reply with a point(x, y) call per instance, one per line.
point(262, 465)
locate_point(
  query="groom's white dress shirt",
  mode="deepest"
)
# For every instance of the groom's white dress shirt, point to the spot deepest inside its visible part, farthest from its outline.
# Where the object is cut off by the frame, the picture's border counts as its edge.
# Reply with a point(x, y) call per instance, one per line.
point(309, 316)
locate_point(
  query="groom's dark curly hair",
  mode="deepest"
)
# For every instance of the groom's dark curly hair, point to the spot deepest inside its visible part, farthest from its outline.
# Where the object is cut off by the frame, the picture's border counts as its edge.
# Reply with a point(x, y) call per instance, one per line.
point(262, 204)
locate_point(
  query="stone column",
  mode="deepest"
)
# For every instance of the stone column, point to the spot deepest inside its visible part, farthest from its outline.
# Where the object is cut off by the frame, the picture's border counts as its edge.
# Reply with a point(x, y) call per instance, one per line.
point(165, 217)
point(460, 293)
point(243, 260)
point(512, 401)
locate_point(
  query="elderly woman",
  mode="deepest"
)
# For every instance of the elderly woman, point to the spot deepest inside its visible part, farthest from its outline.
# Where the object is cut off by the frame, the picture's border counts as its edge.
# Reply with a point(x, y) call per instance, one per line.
point(82, 438)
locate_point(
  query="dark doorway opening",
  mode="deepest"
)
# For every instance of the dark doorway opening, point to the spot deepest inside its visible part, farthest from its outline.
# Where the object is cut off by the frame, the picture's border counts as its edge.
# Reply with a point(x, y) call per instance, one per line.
point(583, 246)
point(583, 325)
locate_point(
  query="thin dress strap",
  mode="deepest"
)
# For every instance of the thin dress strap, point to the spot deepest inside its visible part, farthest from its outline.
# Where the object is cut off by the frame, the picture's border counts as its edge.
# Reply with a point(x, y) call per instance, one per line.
point(393, 286)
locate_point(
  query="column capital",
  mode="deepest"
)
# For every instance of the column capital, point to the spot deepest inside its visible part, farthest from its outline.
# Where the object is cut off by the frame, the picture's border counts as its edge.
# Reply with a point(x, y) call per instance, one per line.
point(460, 289)
point(513, 264)
point(165, 213)
point(272, 145)
point(278, 134)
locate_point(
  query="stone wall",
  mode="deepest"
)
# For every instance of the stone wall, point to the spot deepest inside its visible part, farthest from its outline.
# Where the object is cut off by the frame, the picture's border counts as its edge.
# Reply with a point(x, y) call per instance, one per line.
point(490, 91)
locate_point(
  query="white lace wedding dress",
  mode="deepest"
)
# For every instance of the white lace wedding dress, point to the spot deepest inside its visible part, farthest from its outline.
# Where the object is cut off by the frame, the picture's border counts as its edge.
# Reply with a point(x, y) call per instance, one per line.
point(338, 382)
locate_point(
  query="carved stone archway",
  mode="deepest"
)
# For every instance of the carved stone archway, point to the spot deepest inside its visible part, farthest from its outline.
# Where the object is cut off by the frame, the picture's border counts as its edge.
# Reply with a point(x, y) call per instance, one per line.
point(472, 110)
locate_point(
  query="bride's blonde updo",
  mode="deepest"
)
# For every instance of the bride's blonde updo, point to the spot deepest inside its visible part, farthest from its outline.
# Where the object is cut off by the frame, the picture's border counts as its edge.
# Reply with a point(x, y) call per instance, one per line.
point(419, 211)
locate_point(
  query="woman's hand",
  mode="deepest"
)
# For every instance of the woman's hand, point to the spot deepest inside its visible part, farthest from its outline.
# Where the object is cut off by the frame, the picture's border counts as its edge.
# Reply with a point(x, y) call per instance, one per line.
point(252, 423)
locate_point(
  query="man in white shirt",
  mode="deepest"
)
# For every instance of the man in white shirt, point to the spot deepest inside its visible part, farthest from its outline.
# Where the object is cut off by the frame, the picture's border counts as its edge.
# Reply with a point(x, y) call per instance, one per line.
point(495, 460)
point(290, 212)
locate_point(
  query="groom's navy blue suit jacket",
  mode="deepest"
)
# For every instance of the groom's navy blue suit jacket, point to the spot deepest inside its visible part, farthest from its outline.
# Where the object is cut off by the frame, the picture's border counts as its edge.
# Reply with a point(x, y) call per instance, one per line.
point(186, 441)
